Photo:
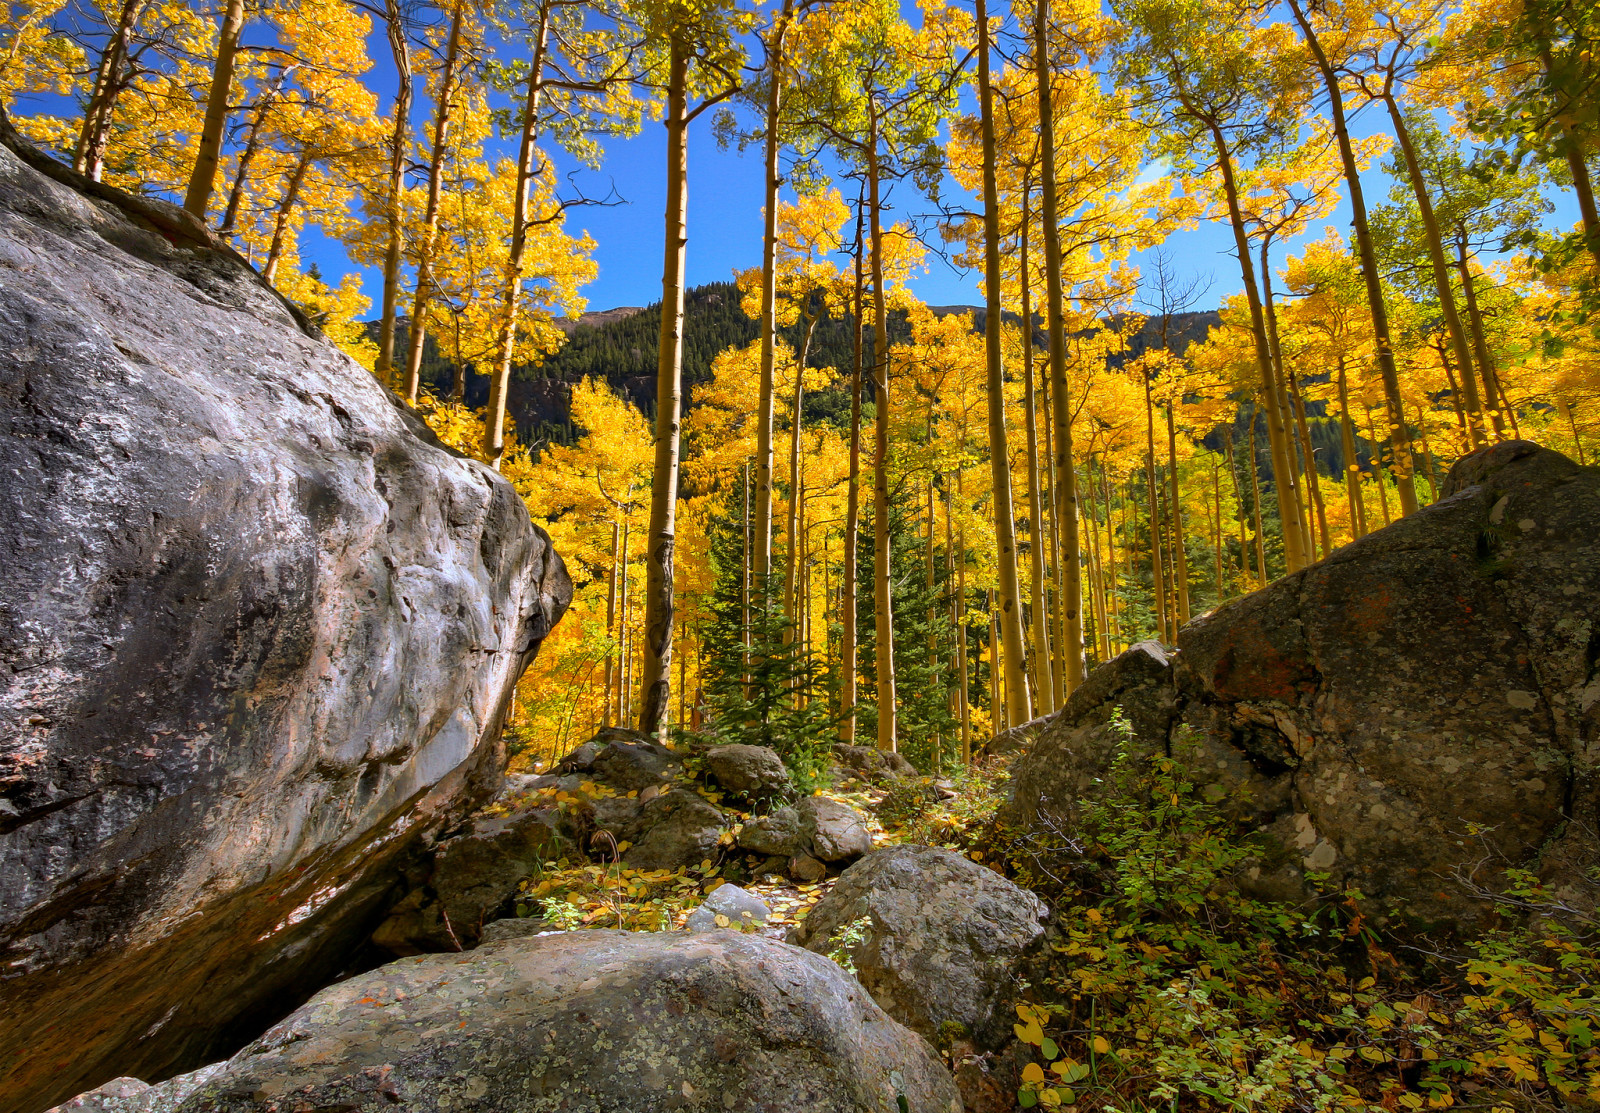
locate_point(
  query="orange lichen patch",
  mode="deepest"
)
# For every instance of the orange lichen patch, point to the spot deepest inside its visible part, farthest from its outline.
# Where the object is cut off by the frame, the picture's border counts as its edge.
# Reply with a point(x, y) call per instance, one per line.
point(1251, 666)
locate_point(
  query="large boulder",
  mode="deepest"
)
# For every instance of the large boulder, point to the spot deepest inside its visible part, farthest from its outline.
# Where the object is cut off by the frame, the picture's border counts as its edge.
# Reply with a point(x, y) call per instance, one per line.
point(1412, 715)
point(940, 940)
point(593, 1020)
point(832, 831)
point(258, 633)
point(755, 772)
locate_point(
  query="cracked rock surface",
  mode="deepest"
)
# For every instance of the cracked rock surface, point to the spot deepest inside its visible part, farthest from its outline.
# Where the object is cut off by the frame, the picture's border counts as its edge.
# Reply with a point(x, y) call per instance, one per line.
point(258, 630)
point(1412, 715)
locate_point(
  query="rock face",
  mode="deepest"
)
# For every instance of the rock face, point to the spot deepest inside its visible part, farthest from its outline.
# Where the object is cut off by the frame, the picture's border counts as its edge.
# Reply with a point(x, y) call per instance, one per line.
point(258, 631)
point(740, 907)
point(1424, 704)
point(943, 939)
point(594, 1020)
point(833, 832)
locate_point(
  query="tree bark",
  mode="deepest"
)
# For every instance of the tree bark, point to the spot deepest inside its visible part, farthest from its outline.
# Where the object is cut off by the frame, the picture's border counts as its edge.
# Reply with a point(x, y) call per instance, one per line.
point(383, 368)
point(656, 673)
point(882, 574)
point(1294, 542)
point(203, 178)
point(280, 226)
point(494, 440)
point(1441, 268)
point(1180, 556)
point(852, 520)
point(769, 298)
point(1064, 479)
point(110, 81)
point(247, 156)
point(430, 219)
point(1018, 706)
point(1399, 438)
point(1043, 688)
point(1158, 580)
point(1352, 462)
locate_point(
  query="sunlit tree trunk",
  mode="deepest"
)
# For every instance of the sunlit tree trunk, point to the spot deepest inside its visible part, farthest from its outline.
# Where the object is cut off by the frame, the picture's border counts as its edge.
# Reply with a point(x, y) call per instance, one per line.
point(656, 671)
point(1377, 466)
point(769, 295)
point(1180, 555)
point(1043, 687)
point(1158, 582)
point(1018, 706)
point(791, 610)
point(1255, 495)
point(111, 79)
point(1491, 380)
point(203, 177)
point(1441, 268)
point(611, 619)
point(399, 143)
point(430, 219)
point(852, 517)
point(494, 435)
point(280, 224)
point(1399, 438)
point(251, 148)
point(1300, 464)
point(882, 573)
point(1352, 462)
point(1294, 540)
point(1069, 603)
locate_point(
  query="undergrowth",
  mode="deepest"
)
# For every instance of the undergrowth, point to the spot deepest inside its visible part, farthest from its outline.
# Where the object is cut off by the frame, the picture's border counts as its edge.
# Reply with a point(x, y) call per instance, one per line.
point(1166, 988)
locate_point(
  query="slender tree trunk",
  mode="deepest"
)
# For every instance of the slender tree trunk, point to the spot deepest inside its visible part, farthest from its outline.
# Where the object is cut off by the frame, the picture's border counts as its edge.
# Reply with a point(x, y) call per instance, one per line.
point(1057, 619)
point(624, 633)
point(1313, 485)
point(252, 147)
point(656, 676)
point(1018, 706)
point(203, 178)
point(1298, 474)
point(611, 619)
point(399, 141)
point(1255, 495)
point(1352, 462)
point(1043, 687)
point(1112, 604)
point(1158, 580)
point(1377, 466)
point(852, 518)
point(744, 587)
point(1180, 555)
point(1294, 541)
point(430, 219)
point(1399, 439)
point(1064, 480)
point(882, 573)
point(769, 295)
point(1441, 268)
point(1427, 454)
point(1480, 342)
point(1238, 500)
point(789, 572)
point(494, 435)
point(110, 80)
point(1216, 495)
point(280, 225)
point(963, 687)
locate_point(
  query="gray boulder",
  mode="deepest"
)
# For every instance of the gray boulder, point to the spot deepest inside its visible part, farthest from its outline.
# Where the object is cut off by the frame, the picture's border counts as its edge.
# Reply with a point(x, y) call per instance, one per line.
point(635, 765)
point(754, 772)
point(593, 1020)
point(834, 832)
point(944, 939)
point(872, 763)
point(776, 834)
point(742, 908)
point(1415, 712)
point(474, 876)
point(258, 634)
point(680, 828)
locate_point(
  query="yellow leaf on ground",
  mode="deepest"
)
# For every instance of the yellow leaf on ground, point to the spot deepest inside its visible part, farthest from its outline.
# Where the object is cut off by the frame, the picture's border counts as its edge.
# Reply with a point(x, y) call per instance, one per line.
point(1033, 1073)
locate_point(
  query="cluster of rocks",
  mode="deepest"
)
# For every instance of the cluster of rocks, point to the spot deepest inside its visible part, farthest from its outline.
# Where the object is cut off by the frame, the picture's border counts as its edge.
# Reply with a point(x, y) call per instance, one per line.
point(1412, 716)
point(624, 796)
point(708, 1018)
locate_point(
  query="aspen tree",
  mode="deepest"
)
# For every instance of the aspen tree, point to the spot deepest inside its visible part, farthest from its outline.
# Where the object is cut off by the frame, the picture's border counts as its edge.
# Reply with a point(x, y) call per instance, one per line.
point(208, 156)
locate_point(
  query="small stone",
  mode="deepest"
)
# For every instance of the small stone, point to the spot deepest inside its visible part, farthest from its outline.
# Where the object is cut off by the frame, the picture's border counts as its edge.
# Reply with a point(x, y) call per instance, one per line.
point(803, 867)
point(836, 832)
point(777, 834)
point(742, 909)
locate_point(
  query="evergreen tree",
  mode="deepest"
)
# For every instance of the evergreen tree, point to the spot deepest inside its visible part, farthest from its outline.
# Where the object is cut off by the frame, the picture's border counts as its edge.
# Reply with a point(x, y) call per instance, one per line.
point(760, 691)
